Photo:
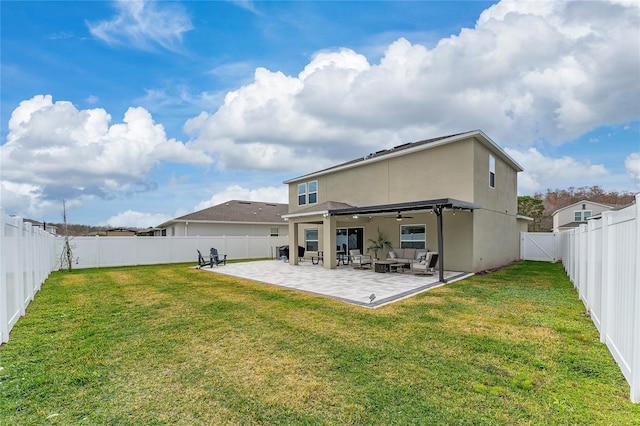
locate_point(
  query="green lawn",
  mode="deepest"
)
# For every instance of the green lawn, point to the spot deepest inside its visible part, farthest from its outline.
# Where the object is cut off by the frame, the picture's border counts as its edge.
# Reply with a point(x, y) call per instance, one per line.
point(173, 345)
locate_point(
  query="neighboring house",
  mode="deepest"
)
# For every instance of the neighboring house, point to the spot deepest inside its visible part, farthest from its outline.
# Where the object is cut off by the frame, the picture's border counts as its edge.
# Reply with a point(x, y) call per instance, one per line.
point(456, 195)
point(576, 214)
point(233, 218)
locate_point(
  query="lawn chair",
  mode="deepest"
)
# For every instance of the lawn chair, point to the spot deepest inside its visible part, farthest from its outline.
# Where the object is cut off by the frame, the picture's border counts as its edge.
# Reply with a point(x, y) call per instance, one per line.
point(215, 258)
point(204, 262)
point(359, 260)
point(428, 265)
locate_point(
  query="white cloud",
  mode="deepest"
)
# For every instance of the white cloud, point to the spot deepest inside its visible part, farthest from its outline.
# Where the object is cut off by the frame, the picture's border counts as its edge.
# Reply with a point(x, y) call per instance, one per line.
point(632, 164)
point(54, 151)
point(273, 194)
point(528, 71)
point(133, 219)
point(144, 24)
point(542, 172)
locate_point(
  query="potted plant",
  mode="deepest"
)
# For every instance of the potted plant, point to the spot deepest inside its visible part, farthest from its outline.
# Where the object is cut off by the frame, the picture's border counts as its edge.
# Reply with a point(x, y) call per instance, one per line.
point(379, 244)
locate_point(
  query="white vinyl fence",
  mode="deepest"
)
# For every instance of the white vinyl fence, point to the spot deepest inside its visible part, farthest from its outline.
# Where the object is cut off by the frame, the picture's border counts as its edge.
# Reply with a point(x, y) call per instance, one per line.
point(27, 257)
point(602, 260)
point(97, 252)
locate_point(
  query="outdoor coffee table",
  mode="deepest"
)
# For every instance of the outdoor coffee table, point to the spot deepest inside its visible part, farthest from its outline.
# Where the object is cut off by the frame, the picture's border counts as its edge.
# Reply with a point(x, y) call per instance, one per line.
point(397, 267)
point(383, 266)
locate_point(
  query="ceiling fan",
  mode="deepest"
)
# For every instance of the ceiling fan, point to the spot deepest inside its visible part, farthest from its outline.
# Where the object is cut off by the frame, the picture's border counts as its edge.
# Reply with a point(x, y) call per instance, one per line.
point(399, 217)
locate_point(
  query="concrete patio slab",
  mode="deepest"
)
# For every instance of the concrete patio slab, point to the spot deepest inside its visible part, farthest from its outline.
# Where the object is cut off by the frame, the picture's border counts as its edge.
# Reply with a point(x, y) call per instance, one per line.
point(344, 283)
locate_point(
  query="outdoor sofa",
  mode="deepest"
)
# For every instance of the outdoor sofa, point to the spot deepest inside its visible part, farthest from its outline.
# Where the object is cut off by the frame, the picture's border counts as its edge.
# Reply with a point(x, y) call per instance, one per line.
point(407, 255)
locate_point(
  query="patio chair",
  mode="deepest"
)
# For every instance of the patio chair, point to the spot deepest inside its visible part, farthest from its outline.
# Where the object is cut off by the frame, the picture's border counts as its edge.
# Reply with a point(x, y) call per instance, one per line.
point(215, 258)
point(359, 260)
point(203, 262)
point(428, 265)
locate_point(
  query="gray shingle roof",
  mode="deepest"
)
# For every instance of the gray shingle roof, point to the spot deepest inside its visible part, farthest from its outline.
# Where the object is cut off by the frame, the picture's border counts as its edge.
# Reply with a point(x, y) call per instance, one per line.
point(240, 211)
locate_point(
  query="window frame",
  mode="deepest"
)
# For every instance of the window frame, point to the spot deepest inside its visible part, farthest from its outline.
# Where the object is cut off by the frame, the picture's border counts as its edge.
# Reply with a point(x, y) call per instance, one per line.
point(302, 195)
point(423, 241)
point(492, 171)
point(581, 215)
point(308, 240)
point(310, 192)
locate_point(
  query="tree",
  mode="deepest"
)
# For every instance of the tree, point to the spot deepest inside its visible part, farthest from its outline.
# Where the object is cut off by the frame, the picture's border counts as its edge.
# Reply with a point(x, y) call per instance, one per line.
point(533, 208)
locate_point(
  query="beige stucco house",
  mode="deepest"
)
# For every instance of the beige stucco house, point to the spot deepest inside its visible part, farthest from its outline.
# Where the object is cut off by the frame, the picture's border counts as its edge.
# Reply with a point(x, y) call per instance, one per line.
point(456, 195)
point(576, 214)
point(233, 218)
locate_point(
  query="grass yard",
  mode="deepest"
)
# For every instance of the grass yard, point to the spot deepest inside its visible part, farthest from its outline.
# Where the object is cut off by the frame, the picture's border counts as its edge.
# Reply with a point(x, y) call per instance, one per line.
point(173, 345)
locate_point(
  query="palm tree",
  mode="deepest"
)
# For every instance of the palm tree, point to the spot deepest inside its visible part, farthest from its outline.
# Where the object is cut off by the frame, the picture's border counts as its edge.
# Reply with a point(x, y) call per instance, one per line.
point(379, 244)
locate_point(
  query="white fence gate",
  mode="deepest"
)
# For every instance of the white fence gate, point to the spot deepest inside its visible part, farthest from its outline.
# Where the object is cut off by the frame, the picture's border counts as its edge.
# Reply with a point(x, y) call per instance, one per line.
point(27, 257)
point(602, 260)
point(543, 246)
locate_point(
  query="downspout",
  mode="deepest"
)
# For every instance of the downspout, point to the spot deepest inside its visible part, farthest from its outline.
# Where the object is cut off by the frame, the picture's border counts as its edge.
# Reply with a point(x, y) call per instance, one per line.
point(439, 211)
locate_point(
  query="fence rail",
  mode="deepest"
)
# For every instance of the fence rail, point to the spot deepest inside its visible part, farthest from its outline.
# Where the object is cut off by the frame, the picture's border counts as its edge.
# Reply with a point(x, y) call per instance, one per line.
point(98, 252)
point(602, 260)
point(27, 257)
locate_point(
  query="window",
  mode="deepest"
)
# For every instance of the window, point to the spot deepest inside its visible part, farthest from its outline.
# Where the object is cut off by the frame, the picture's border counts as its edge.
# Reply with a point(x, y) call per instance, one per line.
point(313, 192)
point(492, 171)
point(308, 193)
point(274, 232)
point(311, 239)
point(581, 215)
point(302, 194)
point(413, 236)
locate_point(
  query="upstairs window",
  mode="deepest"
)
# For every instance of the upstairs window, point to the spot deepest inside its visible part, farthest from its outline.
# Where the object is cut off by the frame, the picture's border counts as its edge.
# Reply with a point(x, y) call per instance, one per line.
point(581, 215)
point(308, 193)
point(302, 194)
point(312, 191)
point(492, 171)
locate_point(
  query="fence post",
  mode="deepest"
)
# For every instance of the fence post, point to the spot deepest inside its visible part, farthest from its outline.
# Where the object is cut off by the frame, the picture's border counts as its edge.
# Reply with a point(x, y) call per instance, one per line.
point(4, 323)
point(20, 267)
point(635, 352)
point(607, 277)
point(591, 265)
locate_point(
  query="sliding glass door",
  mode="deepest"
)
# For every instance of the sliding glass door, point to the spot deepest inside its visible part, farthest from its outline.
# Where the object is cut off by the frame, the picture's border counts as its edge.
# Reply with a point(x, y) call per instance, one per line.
point(349, 239)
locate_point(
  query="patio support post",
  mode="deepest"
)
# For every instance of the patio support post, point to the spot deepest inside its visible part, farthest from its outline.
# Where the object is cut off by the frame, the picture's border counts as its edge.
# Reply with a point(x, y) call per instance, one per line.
point(329, 242)
point(293, 242)
point(439, 210)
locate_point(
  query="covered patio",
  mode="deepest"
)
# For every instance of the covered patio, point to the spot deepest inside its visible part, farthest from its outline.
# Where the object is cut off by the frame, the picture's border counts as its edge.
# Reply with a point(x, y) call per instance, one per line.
point(329, 213)
point(362, 287)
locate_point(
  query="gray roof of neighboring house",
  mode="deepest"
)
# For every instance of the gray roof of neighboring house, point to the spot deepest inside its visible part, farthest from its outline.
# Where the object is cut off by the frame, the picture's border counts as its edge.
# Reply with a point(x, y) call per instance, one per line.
point(407, 148)
point(237, 211)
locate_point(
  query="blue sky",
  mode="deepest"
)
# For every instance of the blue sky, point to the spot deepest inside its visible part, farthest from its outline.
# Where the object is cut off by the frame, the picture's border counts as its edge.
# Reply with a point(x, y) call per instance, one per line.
point(137, 112)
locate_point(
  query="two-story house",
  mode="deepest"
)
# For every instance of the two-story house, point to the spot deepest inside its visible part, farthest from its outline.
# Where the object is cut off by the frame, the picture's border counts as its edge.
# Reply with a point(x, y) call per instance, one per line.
point(573, 215)
point(456, 195)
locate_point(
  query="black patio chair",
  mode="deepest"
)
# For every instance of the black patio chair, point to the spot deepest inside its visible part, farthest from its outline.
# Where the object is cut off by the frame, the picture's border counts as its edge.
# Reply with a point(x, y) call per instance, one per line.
point(204, 262)
point(216, 258)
